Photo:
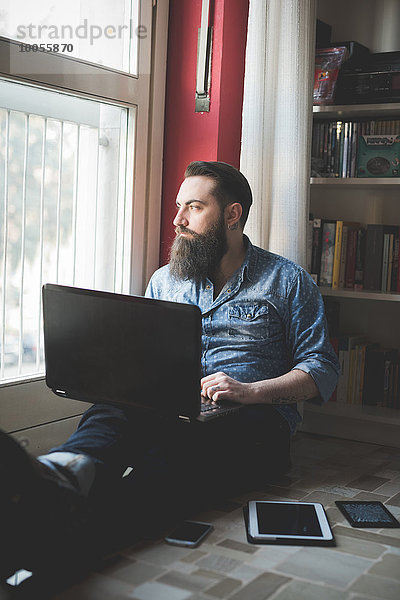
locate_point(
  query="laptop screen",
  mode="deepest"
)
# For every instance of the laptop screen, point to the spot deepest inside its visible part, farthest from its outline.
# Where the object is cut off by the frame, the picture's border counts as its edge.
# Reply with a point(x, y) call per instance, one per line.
point(128, 350)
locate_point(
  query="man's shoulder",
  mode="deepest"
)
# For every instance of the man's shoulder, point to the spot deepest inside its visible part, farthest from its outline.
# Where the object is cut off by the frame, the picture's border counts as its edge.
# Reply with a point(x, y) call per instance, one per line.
point(278, 274)
point(161, 274)
point(269, 260)
point(164, 286)
point(159, 281)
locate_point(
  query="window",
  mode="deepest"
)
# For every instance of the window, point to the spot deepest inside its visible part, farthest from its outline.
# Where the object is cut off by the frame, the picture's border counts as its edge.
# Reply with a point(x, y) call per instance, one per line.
point(98, 31)
point(64, 212)
point(78, 204)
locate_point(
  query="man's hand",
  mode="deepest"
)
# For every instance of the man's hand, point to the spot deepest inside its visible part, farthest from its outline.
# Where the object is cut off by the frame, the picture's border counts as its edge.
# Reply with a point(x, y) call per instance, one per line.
point(294, 386)
point(220, 386)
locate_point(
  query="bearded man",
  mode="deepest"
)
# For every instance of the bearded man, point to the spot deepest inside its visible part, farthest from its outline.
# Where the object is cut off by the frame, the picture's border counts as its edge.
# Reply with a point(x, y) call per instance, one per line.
point(265, 346)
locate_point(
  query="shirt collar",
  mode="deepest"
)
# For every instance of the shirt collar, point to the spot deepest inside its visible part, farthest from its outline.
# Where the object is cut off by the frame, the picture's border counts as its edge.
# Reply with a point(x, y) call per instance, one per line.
point(247, 268)
point(250, 261)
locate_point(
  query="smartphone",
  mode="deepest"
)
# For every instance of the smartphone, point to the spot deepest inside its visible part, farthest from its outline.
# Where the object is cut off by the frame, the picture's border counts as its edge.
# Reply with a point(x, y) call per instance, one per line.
point(189, 534)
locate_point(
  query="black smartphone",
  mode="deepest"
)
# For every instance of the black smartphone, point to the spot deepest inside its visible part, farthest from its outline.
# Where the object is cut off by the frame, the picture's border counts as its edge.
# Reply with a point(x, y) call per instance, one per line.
point(371, 513)
point(189, 534)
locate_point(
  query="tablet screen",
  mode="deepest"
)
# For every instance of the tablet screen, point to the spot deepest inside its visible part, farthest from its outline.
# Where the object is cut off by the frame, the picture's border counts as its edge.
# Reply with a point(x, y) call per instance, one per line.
point(287, 519)
point(288, 522)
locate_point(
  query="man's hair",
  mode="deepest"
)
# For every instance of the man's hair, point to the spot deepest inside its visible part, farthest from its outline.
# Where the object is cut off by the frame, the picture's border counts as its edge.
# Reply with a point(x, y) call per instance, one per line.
point(230, 185)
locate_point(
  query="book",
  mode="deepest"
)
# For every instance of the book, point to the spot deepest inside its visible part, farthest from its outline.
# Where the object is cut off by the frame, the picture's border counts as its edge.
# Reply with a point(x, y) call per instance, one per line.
point(385, 261)
point(358, 372)
point(356, 148)
point(373, 257)
point(345, 346)
point(390, 357)
point(327, 252)
point(353, 255)
point(336, 254)
point(352, 375)
point(316, 249)
point(351, 258)
point(374, 370)
point(389, 232)
point(359, 260)
point(345, 149)
point(362, 372)
point(335, 345)
point(309, 244)
point(343, 254)
point(346, 254)
point(395, 266)
point(390, 263)
point(332, 315)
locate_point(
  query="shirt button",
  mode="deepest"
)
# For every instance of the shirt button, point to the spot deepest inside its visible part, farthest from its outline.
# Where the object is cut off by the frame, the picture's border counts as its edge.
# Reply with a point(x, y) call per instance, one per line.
point(208, 287)
point(229, 290)
point(248, 316)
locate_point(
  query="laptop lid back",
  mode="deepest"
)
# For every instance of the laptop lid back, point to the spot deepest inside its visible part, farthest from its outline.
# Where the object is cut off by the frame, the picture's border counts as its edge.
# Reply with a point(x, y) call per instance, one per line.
point(119, 349)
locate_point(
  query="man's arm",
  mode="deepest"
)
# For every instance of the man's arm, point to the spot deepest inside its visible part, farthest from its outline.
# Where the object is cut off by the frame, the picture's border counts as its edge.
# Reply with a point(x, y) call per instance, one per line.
point(294, 386)
point(315, 366)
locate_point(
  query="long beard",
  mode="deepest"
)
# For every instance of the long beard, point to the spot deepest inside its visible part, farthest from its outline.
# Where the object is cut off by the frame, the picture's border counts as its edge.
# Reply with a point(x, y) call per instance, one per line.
point(199, 256)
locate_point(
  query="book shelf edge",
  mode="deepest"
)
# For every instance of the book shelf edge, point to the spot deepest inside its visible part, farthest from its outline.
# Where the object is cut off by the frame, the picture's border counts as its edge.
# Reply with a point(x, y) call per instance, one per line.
point(359, 295)
point(355, 181)
point(338, 110)
point(351, 424)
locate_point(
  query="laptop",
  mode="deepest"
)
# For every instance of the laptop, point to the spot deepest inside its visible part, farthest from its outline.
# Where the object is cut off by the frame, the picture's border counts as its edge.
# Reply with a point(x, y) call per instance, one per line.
point(102, 347)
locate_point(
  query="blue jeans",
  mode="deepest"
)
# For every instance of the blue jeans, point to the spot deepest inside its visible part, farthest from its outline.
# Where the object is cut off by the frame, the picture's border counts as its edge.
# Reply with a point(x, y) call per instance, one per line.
point(185, 464)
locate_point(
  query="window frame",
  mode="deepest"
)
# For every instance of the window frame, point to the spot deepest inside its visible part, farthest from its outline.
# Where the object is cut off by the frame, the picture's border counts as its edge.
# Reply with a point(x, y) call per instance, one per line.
point(88, 80)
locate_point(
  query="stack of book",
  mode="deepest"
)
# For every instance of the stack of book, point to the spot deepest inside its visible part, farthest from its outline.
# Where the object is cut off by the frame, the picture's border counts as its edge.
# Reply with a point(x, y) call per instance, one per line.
point(335, 145)
point(344, 254)
point(369, 374)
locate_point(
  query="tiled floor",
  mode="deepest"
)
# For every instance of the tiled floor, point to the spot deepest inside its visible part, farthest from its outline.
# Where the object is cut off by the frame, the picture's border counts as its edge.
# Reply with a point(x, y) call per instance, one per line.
point(365, 564)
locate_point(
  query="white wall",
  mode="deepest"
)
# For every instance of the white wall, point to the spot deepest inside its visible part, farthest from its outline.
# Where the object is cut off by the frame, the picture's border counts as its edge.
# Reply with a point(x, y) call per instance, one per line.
point(374, 23)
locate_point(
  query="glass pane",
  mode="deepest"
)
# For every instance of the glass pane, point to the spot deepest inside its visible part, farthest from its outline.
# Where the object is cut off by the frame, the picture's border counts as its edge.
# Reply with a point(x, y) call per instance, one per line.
point(62, 209)
point(98, 31)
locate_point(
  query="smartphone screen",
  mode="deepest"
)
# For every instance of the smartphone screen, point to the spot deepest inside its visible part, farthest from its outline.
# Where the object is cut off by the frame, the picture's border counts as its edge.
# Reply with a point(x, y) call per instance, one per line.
point(189, 533)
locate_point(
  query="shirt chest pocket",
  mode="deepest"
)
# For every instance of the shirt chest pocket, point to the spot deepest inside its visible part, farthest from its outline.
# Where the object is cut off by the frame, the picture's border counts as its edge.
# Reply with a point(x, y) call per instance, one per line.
point(249, 321)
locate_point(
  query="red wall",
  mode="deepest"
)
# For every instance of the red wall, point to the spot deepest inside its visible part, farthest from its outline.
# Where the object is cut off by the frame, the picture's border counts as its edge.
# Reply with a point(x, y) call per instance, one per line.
point(201, 136)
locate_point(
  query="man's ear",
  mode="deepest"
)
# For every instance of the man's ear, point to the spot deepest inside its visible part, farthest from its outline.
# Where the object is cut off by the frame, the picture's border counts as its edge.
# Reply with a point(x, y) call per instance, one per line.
point(233, 212)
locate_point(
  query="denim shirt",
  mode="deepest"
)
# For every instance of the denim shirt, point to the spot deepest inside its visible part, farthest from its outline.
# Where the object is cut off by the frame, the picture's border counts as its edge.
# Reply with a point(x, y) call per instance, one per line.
point(267, 320)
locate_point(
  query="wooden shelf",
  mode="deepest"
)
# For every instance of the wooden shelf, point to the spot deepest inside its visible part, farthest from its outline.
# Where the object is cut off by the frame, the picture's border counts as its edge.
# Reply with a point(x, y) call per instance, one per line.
point(386, 110)
point(359, 182)
point(378, 414)
point(360, 294)
point(370, 424)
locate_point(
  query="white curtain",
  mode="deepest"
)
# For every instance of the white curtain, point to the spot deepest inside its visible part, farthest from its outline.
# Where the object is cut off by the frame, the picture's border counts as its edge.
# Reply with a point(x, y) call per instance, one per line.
point(277, 114)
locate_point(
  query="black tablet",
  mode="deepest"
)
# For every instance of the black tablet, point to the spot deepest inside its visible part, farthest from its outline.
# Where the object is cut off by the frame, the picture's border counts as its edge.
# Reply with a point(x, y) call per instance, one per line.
point(288, 523)
point(362, 513)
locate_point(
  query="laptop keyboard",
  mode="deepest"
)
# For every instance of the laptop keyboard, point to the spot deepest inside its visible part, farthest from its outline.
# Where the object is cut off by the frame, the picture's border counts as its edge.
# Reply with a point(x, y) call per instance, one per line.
point(207, 407)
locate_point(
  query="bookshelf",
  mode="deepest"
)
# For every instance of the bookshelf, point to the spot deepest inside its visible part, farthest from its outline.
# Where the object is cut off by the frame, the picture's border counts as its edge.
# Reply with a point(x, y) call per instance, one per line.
point(365, 424)
point(360, 294)
point(373, 314)
point(352, 111)
point(353, 182)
